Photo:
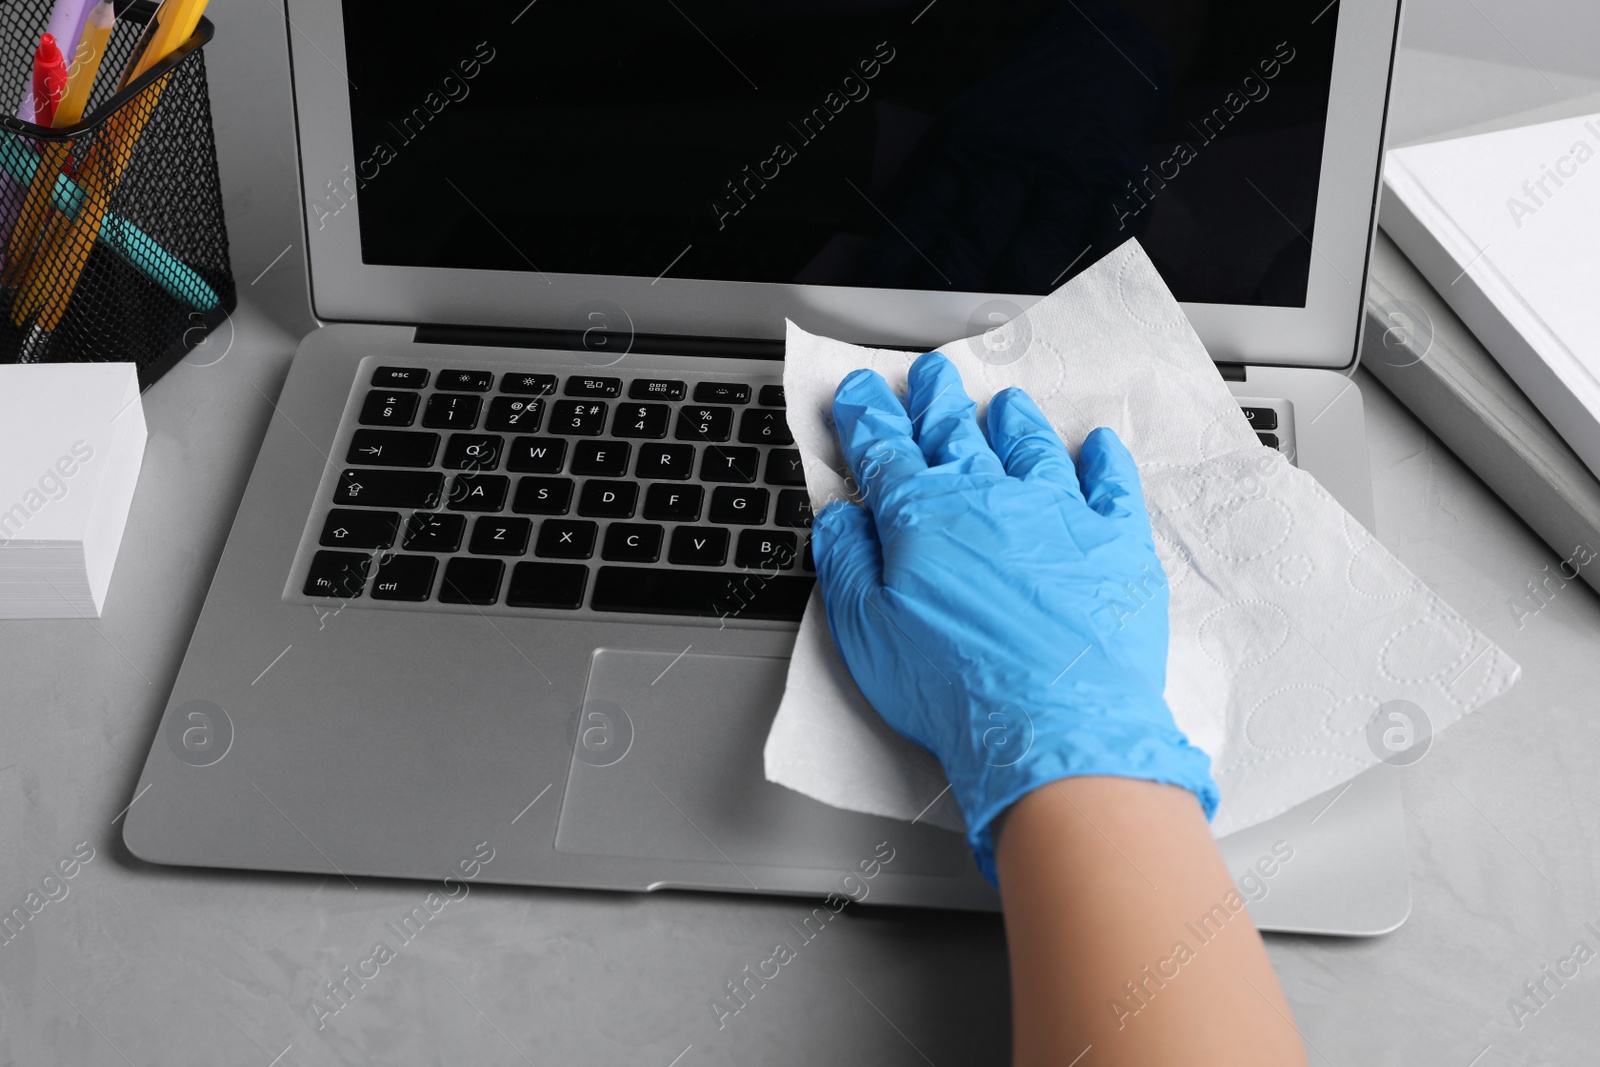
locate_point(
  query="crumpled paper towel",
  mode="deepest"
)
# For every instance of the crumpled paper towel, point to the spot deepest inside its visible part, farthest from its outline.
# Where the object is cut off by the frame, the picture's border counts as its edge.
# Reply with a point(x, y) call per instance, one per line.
point(1291, 625)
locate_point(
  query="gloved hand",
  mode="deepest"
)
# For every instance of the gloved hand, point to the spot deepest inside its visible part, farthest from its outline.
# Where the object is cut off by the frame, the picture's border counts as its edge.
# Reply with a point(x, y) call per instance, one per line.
point(997, 605)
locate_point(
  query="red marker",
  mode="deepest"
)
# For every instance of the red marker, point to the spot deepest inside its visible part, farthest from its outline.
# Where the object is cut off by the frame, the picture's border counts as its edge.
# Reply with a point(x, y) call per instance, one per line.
point(49, 80)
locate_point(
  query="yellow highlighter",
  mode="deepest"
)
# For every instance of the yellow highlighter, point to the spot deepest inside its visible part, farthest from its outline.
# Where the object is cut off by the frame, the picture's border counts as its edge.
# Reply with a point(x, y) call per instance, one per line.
point(80, 79)
point(52, 277)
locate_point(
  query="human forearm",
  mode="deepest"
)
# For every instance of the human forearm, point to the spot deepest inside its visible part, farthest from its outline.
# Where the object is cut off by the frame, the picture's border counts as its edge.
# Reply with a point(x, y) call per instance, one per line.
point(1110, 888)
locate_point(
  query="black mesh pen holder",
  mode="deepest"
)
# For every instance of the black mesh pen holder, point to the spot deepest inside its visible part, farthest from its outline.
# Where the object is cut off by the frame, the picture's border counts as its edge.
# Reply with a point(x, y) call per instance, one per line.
point(115, 243)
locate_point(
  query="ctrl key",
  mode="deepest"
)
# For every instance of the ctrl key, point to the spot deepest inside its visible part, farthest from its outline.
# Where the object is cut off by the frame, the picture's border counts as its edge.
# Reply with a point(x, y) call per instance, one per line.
point(404, 578)
point(337, 574)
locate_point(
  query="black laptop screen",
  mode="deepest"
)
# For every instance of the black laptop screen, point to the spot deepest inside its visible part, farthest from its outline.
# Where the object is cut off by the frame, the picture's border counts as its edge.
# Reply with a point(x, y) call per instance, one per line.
point(993, 146)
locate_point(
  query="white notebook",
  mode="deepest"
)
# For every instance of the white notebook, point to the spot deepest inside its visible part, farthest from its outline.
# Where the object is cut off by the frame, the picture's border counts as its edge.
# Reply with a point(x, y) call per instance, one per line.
point(72, 440)
point(1506, 226)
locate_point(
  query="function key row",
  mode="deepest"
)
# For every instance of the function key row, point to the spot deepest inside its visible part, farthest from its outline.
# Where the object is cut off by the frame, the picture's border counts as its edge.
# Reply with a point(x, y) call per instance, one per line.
point(604, 388)
point(465, 381)
point(576, 418)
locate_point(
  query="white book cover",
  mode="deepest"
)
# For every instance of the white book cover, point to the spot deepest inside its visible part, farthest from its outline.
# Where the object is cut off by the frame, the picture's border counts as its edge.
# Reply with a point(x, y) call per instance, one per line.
point(72, 439)
point(1506, 226)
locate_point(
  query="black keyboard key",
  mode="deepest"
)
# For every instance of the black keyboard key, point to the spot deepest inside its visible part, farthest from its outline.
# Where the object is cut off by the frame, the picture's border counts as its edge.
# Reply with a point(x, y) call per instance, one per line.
point(1268, 439)
point(721, 393)
point(471, 581)
point(764, 426)
point(1261, 418)
point(392, 448)
point(724, 463)
point(566, 539)
point(536, 455)
point(698, 546)
point(337, 574)
point(766, 550)
point(604, 459)
point(673, 503)
point(665, 461)
point(547, 585)
point(360, 529)
point(404, 578)
point(428, 531)
point(542, 496)
point(528, 384)
point(655, 389)
point(579, 385)
point(704, 424)
point(511, 414)
point(478, 492)
point(739, 507)
point(496, 536)
point(389, 489)
point(717, 594)
point(641, 420)
point(807, 563)
point(473, 381)
point(452, 411)
point(584, 418)
point(632, 542)
point(473, 452)
point(400, 377)
point(794, 508)
point(608, 500)
point(387, 408)
point(783, 467)
point(771, 396)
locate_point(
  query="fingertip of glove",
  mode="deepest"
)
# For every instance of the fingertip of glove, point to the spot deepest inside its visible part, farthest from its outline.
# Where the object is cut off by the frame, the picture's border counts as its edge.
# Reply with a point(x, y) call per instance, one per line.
point(851, 385)
point(929, 363)
point(1105, 439)
point(1012, 409)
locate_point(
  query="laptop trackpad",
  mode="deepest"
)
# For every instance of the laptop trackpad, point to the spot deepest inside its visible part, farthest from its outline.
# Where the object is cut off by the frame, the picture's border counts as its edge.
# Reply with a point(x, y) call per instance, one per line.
point(667, 765)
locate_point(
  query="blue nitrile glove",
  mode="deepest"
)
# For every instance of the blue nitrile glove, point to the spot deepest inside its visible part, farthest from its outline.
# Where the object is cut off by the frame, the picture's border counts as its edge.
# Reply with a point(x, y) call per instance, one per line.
point(997, 605)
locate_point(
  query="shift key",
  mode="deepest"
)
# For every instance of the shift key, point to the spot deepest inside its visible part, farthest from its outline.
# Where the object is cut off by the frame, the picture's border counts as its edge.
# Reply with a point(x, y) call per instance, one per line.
point(390, 489)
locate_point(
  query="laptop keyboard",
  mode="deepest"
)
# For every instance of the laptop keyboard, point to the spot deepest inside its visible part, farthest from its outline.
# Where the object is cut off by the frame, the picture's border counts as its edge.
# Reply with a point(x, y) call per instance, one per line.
point(568, 492)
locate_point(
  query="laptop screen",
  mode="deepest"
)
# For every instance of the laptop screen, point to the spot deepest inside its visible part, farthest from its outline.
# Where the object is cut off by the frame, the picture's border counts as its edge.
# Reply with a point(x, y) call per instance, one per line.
point(998, 146)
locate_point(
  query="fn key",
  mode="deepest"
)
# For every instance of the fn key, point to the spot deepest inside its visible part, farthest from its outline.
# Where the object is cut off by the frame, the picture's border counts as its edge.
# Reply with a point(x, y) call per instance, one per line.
point(337, 574)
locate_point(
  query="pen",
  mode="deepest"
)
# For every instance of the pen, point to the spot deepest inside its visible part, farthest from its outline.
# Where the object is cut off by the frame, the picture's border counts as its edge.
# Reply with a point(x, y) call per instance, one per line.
point(79, 80)
point(66, 26)
point(45, 292)
point(86, 57)
point(138, 249)
point(49, 80)
point(169, 27)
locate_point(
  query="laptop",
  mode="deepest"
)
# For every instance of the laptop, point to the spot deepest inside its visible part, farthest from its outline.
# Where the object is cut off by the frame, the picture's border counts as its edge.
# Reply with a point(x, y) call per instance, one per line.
point(487, 590)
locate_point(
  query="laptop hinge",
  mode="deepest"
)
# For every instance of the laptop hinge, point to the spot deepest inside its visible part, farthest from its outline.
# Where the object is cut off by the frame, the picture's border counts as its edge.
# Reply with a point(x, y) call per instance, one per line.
point(1231, 372)
point(599, 341)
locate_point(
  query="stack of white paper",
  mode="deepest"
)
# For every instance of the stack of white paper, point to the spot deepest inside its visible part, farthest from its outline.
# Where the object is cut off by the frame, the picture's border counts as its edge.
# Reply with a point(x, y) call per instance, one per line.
point(71, 443)
point(1505, 226)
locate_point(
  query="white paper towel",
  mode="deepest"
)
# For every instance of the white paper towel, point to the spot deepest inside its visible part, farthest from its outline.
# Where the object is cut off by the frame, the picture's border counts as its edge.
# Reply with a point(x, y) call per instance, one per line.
point(1291, 625)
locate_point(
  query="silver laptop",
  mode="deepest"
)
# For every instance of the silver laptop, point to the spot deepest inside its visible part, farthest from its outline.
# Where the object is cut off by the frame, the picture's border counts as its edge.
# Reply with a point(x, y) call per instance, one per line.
point(490, 579)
